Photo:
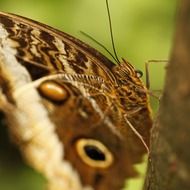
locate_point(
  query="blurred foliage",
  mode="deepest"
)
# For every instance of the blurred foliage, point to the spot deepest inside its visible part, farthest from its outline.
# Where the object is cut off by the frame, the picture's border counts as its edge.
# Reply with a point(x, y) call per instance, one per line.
point(143, 30)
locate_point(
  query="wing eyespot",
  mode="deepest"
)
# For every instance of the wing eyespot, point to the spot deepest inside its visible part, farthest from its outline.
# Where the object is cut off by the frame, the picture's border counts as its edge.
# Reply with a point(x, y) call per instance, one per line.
point(94, 153)
point(53, 91)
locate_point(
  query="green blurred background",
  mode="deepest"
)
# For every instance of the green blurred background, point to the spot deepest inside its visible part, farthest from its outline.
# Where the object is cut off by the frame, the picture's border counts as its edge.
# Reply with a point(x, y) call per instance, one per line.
point(143, 30)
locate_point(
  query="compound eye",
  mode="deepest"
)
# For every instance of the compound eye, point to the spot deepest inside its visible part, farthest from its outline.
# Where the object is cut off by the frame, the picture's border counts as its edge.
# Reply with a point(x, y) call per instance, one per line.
point(139, 73)
point(94, 153)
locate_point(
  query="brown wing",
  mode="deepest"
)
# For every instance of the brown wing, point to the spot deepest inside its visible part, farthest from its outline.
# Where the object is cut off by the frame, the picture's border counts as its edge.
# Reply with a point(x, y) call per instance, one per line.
point(58, 95)
point(39, 44)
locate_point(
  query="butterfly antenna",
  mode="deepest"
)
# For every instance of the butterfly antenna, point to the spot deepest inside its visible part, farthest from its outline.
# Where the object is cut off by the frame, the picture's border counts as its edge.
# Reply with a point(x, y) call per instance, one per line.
point(111, 31)
point(101, 45)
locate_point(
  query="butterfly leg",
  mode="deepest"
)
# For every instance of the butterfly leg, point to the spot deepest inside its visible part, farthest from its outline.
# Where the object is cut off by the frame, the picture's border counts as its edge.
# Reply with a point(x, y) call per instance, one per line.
point(136, 133)
point(147, 70)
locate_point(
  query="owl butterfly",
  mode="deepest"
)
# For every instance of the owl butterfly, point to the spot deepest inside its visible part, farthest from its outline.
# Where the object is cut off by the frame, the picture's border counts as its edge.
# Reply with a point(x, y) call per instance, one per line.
point(79, 119)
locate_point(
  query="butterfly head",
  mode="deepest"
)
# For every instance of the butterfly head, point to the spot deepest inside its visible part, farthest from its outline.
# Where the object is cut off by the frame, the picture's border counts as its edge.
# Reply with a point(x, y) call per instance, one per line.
point(130, 88)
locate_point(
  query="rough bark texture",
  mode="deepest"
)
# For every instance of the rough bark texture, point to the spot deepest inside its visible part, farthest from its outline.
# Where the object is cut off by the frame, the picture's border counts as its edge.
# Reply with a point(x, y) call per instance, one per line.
point(169, 163)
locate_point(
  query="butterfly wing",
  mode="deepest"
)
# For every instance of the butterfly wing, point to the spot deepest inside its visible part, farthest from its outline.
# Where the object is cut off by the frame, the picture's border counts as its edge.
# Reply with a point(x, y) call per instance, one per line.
point(56, 95)
point(56, 51)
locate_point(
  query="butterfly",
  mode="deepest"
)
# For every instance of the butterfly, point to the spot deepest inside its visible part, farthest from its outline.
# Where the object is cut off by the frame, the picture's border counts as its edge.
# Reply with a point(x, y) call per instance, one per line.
point(77, 118)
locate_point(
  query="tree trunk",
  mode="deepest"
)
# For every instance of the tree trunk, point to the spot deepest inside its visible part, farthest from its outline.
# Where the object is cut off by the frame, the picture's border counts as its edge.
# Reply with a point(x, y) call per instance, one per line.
point(169, 161)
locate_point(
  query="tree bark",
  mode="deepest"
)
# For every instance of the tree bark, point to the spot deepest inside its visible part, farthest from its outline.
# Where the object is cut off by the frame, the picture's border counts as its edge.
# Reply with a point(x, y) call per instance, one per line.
point(169, 161)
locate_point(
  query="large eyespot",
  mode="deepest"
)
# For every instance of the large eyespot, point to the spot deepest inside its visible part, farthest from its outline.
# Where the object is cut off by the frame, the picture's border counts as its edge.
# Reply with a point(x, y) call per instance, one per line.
point(94, 153)
point(53, 91)
point(139, 73)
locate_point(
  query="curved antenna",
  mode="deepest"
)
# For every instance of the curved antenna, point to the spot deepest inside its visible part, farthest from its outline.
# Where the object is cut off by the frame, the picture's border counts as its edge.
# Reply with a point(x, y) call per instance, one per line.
point(111, 31)
point(101, 45)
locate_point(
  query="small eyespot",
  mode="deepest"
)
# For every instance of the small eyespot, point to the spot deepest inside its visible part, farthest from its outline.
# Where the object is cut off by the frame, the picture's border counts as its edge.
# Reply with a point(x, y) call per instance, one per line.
point(94, 153)
point(139, 73)
point(53, 91)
